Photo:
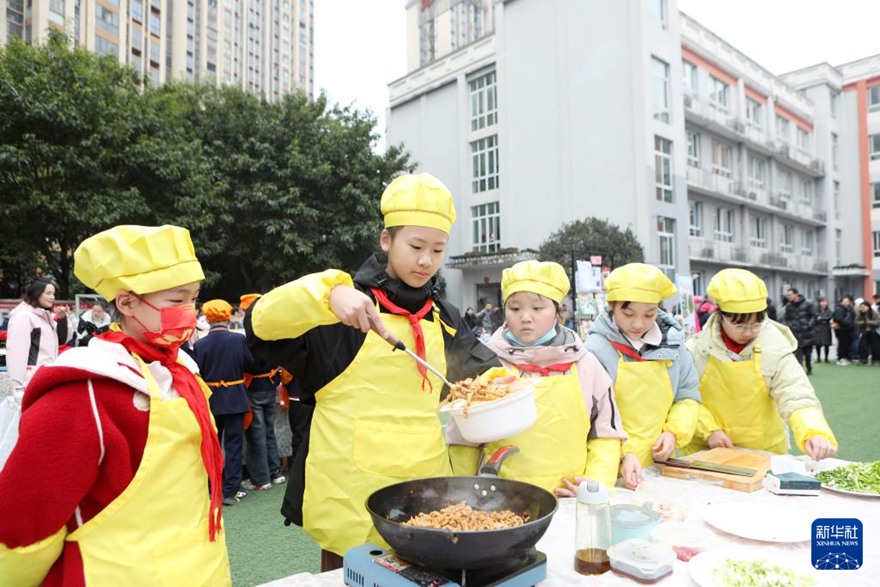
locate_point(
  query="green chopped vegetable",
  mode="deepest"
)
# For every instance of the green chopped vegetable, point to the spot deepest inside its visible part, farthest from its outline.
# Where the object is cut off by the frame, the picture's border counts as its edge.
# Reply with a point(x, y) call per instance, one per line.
point(862, 477)
point(758, 573)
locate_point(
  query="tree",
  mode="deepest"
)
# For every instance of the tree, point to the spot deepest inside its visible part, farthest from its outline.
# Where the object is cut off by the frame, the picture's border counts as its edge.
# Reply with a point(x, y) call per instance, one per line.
point(591, 236)
point(77, 150)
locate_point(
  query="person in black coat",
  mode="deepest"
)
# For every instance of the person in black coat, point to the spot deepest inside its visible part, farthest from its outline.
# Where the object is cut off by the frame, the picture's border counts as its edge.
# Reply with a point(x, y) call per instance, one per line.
point(843, 322)
point(800, 317)
point(823, 329)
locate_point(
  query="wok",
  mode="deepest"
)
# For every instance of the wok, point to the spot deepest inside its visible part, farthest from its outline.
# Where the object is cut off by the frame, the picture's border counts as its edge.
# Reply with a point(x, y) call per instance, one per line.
point(444, 549)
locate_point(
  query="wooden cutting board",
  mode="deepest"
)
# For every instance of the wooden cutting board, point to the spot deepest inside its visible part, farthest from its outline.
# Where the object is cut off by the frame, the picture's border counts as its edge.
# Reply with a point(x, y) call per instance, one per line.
point(738, 457)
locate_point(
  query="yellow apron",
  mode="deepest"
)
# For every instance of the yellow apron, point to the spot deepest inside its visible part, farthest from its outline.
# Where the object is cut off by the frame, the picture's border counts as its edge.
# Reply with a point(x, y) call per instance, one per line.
point(156, 531)
point(373, 426)
point(556, 445)
point(735, 394)
point(644, 395)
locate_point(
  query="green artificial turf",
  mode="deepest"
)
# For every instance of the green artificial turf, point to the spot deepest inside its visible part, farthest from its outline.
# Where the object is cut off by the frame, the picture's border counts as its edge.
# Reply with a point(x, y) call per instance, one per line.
point(262, 549)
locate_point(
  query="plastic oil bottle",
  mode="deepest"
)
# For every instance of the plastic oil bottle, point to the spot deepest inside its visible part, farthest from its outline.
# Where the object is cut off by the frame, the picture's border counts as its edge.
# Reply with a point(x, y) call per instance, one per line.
point(593, 529)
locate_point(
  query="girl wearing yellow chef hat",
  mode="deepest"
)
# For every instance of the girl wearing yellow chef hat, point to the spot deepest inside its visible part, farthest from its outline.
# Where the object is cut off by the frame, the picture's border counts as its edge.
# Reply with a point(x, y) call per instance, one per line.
point(125, 429)
point(375, 420)
point(578, 431)
point(642, 348)
point(750, 379)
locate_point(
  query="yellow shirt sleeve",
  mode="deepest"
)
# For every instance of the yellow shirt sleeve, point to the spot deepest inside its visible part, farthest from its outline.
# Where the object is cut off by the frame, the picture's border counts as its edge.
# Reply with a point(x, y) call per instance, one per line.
point(807, 423)
point(291, 310)
point(682, 421)
point(603, 460)
point(706, 424)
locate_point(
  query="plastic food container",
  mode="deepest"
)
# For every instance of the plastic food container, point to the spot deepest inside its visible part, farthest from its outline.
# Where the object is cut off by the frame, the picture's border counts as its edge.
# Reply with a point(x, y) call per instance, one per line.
point(686, 539)
point(498, 419)
point(644, 561)
point(632, 521)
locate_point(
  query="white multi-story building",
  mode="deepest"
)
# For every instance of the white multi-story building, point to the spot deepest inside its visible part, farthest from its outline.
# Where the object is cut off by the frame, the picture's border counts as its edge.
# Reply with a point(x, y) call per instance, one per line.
point(261, 47)
point(632, 112)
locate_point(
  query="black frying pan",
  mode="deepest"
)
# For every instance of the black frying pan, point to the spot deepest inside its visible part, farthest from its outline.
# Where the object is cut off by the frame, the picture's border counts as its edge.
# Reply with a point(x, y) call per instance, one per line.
point(443, 549)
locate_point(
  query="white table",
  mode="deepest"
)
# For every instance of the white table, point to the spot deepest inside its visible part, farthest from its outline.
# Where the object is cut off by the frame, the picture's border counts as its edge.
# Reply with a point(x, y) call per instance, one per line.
point(690, 500)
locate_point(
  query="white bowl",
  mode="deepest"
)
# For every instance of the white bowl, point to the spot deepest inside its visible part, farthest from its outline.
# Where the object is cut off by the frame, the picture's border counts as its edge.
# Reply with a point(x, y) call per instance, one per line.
point(497, 419)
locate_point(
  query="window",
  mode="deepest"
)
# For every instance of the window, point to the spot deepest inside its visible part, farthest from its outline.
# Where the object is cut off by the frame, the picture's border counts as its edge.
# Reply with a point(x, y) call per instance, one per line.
point(486, 227)
point(696, 214)
point(834, 151)
point(803, 140)
point(484, 101)
point(137, 10)
point(693, 148)
point(719, 94)
point(155, 24)
point(663, 169)
point(758, 232)
point(699, 279)
point(657, 12)
point(660, 89)
point(754, 113)
point(805, 190)
point(666, 232)
point(756, 172)
point(786, 245)
point(808, 242)
point(837, 199)
point(835, 104)
point(875, 188)
point(874, 99)
point(105, 47)
point(876, 235)
point(721, 159)
point(782, 128)
point(484, 155)
point(785, 185)
point(724, 225)
point(689, 78)
point(106, 20)
point(874, 146)
point(838, 246)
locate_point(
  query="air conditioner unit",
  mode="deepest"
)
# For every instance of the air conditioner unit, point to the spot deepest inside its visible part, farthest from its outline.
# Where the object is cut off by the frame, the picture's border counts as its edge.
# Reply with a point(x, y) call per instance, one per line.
point(753, 195)
point(783, 150)
point(708, 253)
point(688, 101)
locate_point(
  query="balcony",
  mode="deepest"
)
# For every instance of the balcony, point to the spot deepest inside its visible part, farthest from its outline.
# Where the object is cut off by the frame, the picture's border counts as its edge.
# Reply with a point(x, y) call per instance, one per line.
point(852, 270)
point(715, 251)
point(709, 181)
point(774, 260)
point(477, 260)
point(798, 158)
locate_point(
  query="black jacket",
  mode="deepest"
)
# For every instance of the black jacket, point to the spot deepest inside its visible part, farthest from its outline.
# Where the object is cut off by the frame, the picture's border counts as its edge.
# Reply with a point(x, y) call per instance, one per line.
point(845, 318)
point(800, 316)
point(324, 352)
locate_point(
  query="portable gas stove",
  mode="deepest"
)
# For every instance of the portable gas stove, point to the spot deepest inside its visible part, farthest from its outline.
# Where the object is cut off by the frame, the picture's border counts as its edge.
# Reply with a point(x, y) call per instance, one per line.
point(369, 565)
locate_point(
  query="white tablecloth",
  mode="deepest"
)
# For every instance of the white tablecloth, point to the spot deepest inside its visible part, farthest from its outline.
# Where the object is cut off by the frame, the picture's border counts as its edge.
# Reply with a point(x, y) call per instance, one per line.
point(690, 499)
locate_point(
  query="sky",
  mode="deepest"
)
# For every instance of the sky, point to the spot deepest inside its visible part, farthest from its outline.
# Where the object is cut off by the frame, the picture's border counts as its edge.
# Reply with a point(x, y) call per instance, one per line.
point(360, 45)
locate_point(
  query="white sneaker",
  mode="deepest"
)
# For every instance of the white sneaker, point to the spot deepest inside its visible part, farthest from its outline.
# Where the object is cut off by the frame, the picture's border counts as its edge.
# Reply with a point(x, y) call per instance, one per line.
point(279, 479)
point(247, 484)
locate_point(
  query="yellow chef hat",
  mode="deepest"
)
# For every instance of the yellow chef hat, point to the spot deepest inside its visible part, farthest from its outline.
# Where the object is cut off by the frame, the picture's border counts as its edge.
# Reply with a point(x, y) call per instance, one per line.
point(545, 278)
point(738, 291)
point(247, 300)
point(418, 200)
point(142, 259)
point(638, 282)
point(217, 310)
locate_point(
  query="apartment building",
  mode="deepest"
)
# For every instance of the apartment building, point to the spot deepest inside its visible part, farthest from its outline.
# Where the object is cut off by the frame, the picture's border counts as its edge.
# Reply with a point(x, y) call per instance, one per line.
point(636, 113)
point(850, 137)
point(260, 47)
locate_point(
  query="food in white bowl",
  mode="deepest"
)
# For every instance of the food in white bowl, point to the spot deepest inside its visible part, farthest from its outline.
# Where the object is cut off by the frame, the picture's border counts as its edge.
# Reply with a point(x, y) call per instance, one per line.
point(490, 411)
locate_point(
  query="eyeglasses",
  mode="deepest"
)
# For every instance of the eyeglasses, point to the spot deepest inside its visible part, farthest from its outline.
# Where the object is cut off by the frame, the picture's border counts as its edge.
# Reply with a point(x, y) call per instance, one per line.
point(743, 328)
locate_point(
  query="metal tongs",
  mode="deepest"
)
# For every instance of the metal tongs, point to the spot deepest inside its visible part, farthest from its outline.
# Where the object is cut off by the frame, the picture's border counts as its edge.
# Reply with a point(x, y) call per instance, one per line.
point(399, 346)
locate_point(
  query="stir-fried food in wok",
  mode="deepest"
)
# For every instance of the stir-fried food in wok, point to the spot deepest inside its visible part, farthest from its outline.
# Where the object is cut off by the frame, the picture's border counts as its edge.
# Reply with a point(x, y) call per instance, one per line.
point(461, 517)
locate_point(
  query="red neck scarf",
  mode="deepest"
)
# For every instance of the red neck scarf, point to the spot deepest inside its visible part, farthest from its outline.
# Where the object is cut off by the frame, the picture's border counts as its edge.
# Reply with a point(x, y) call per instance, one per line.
point(627, 351)
point(730, 344)
point(188, 387)
point(545, 371)
point(414, 320)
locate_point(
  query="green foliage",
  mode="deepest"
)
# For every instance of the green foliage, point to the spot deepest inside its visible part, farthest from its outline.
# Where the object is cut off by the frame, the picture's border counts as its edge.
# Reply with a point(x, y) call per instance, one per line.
point(591, 236)
point(269, 191)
